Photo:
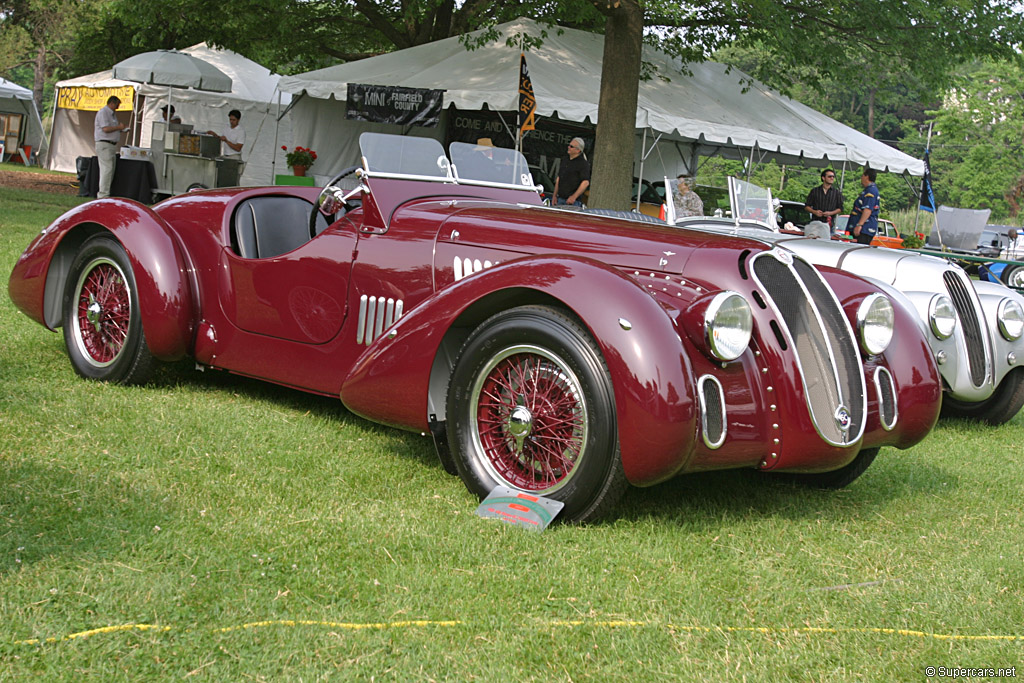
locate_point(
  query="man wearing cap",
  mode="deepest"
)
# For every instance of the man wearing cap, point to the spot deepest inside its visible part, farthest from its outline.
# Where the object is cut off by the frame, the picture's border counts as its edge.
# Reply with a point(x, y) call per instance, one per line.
point(107, 135)
point(168, 114)
point(686, 201)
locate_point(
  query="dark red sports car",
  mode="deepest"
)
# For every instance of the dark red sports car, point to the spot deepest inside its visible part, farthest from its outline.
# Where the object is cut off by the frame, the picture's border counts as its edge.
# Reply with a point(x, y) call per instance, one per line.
point(556, 352)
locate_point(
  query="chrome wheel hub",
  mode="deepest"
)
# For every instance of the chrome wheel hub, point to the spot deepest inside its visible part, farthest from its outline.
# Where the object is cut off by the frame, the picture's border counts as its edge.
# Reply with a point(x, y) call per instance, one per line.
point(520, 424)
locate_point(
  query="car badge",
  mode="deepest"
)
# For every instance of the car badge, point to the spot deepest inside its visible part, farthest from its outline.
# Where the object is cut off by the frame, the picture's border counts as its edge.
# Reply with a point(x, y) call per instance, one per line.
point(783, 256)
point(843, 418)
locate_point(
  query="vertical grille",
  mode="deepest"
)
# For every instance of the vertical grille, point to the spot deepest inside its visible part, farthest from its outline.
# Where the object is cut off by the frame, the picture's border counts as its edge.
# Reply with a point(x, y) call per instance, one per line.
point(712, 411)
point(821, 337)
point(886, 398)
point(977, 353)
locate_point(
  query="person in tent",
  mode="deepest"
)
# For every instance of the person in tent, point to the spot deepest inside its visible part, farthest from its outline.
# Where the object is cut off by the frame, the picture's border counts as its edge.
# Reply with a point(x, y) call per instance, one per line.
point(233, 137)
point(107, 134)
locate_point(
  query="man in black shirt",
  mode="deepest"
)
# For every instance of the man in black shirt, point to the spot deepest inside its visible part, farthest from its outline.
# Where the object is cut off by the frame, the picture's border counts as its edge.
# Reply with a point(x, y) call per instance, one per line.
point(825, 202)
point(573, 176)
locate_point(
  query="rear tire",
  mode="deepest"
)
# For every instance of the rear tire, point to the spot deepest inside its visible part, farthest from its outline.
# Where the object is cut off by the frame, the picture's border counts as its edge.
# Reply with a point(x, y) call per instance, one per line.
point(837, 479)
point(531, 407)
point(102, 325)
point(998, 408)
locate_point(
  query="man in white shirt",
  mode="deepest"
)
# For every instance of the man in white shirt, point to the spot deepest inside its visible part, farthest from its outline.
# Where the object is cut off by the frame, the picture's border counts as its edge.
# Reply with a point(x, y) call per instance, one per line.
point(233, 137)
point(107, 135)
point(1014, 245)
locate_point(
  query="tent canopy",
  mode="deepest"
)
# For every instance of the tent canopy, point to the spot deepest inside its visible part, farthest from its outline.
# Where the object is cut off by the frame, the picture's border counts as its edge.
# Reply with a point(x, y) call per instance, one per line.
point(710, 107)
point(15, 99)
point(253, 92)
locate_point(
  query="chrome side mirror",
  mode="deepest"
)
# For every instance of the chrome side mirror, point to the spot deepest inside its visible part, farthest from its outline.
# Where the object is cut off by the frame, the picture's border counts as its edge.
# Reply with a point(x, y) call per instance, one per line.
point(332, 199)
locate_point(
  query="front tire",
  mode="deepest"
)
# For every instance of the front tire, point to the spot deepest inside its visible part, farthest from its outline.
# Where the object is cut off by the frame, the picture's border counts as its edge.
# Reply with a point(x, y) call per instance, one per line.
point(998, 408)
point(102, 326)
point(1013, 276)
point(531, 407)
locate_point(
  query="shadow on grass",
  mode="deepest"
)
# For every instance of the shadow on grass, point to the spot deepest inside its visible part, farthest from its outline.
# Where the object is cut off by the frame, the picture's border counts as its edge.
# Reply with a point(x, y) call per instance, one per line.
point(746, 493)
point(55, 512)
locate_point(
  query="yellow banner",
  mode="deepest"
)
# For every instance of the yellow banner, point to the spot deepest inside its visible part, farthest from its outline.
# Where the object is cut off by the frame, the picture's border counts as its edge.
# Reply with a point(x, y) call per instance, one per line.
point(94, 99)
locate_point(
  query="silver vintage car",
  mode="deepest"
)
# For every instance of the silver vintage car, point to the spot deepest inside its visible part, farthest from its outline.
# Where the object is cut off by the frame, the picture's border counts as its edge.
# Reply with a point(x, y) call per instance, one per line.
point(975, 328)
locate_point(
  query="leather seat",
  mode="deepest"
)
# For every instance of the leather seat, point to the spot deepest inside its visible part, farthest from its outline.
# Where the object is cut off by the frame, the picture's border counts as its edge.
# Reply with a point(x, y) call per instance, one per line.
point(265, 227)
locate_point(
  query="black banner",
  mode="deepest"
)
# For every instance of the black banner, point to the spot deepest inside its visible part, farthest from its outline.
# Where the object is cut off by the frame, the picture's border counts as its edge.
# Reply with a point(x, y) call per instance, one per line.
point(394, 104)
point(927, 193)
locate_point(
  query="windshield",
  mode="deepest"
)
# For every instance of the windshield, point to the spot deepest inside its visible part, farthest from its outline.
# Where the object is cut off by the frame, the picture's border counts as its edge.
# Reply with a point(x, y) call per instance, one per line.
point(751, 202)
point(404, 155)
point(490, 164)
point(424, 159)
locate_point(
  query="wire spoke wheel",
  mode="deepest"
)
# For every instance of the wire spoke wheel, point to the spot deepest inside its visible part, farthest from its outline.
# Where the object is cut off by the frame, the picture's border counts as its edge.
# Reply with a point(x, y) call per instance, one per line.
point(531, 407)
point(531, 419)
point(102, 312)
point(101, 318)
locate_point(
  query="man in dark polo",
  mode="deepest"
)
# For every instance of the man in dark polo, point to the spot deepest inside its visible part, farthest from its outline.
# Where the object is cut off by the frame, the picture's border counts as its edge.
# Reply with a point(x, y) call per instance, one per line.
point(825, 201)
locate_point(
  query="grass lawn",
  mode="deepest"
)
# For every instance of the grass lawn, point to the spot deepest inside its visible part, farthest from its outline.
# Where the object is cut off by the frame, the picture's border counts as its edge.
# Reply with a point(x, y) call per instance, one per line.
point(214, 528)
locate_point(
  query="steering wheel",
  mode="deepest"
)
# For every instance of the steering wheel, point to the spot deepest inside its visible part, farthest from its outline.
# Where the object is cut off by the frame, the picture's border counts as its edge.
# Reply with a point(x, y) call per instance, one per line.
point(328, 193)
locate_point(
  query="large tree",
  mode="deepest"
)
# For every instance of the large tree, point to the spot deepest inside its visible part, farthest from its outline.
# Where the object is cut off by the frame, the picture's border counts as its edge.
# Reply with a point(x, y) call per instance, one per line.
point(845, 41)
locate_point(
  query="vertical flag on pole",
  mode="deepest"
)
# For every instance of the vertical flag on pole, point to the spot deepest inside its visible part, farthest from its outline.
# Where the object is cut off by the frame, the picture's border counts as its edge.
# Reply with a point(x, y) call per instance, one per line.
point(927, 193)
point(527, 102)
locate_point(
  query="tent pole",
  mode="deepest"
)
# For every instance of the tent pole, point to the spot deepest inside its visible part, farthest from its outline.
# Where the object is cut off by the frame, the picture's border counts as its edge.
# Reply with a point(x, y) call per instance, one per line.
point(53, 120)
point(640, 174)
point(277, 127)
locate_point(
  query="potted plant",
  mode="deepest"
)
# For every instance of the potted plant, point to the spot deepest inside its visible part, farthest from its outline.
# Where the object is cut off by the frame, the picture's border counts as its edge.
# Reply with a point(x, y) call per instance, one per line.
point(299, 159)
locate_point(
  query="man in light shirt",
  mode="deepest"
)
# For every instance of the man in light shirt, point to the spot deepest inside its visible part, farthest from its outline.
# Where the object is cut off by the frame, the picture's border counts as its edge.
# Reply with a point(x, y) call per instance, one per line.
point(233, 137)
point(107, 135)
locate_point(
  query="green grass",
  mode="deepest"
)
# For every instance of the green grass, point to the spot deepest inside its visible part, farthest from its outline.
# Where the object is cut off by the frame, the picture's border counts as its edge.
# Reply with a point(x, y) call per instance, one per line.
point(239, 531)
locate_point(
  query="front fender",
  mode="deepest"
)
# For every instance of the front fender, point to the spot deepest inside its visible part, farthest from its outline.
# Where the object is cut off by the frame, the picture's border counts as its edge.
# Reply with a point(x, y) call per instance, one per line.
point(166, 305)
point(909, 359)
point(653, 385)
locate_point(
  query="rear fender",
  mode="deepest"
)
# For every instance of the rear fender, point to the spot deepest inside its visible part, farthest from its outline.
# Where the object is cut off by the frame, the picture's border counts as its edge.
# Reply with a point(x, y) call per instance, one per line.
point(165, 300)
point(402, 378)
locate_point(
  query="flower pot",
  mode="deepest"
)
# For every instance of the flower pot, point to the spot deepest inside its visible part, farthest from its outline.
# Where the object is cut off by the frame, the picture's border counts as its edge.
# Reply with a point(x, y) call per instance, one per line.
point(299, 170)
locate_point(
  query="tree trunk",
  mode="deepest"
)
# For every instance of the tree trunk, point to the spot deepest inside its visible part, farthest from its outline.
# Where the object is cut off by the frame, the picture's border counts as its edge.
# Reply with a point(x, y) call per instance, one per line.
point(611, 175)
point(871, 113)
point(39, 76)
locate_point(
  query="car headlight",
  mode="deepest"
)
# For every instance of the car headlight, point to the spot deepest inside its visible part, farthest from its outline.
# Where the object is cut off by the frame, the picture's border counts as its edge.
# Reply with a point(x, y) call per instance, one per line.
point(875, 322)
point(941, 316)
point(1011, 319)
point(728, 324)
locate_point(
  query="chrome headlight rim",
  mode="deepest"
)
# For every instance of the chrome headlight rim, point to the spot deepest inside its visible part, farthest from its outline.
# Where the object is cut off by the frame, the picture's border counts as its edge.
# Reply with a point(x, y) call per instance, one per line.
point(723, 306)
point(1010, 315)
point(876, 322)
point(942, 316)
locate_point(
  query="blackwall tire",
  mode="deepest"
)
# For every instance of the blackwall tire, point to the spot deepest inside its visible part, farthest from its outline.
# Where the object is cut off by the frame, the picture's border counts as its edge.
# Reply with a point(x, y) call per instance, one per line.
point(998, 408)
point(531, 407)
point(102, 326)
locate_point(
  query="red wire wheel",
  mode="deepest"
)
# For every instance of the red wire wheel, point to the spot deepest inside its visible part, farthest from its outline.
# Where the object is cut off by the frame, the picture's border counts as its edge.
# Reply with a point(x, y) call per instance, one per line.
point(531, 419)
point(102, 312)
point(101, 317)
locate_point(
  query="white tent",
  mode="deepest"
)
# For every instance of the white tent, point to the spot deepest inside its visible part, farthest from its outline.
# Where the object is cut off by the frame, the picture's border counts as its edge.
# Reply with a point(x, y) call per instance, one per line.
point(254, 93)
point(25, 126)
point(708, 111)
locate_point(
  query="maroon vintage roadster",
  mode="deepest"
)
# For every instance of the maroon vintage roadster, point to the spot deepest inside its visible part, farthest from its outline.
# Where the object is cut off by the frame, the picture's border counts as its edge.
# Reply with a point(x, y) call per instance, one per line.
point(554, 352)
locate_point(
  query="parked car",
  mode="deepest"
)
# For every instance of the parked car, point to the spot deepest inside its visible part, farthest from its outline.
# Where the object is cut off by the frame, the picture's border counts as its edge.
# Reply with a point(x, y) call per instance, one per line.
point(887, 235)
point(974, 328)
point(557, 353)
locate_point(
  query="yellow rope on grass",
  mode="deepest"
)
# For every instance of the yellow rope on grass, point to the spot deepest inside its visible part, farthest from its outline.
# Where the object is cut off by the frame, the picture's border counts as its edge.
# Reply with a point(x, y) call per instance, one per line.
point(422, 623)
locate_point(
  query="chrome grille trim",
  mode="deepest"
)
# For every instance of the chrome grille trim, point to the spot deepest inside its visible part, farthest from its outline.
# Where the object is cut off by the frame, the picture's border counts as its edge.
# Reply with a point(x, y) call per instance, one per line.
point(978, 353)
point(376, 314)
point(817, 330)
point(888, 411)
point(712, 411)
